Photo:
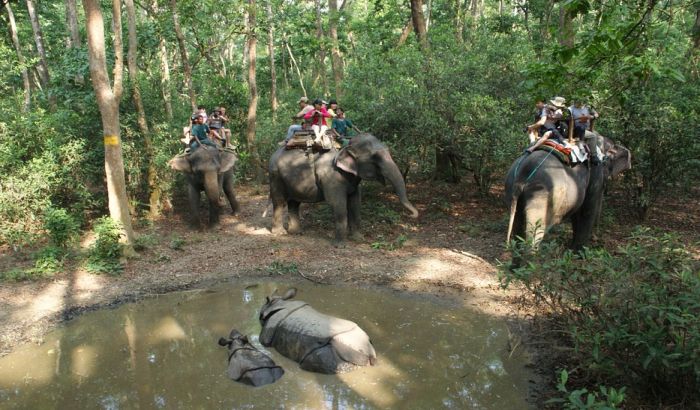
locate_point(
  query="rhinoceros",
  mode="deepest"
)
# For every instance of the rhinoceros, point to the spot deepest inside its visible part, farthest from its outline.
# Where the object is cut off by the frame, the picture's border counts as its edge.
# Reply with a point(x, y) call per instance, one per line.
point(248, 365)
point(318, 342)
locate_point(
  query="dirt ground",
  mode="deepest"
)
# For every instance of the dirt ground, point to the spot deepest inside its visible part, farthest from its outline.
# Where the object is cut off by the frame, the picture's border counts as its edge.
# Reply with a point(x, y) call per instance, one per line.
point(451, 250)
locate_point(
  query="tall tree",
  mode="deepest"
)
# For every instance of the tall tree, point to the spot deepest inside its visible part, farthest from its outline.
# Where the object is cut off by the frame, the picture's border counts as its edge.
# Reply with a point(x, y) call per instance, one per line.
point(336, 59)
point(153, 190)
point(43, 67)
point(253, 90)
point(73, 32)
point(20, 58)
point(320, 65)
point(108, 97)
point(271, 51)
point(419, 23)
point(183, 55)
point(72, 21)
point(566, 26)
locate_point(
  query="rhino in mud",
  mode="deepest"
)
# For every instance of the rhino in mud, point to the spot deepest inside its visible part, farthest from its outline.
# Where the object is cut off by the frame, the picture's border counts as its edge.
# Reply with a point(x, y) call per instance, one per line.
point(248, 365)
point(318, 342)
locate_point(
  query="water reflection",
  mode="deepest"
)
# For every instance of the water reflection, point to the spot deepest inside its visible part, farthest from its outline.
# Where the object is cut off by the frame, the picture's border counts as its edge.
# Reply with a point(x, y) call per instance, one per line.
point(162, 353)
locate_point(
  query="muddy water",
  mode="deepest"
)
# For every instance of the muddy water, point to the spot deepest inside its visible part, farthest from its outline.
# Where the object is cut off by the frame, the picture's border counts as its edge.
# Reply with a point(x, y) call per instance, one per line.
point(163, 353)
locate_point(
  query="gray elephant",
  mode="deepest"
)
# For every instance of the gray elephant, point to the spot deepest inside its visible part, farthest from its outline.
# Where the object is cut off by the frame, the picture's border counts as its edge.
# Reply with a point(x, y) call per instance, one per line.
point(296, 177)
point(318, 342)
point(210, 170)
point(248, 365)
point(542, 191)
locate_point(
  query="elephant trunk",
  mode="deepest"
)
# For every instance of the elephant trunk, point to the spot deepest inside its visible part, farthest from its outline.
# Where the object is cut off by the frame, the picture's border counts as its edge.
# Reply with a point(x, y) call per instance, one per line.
point(391, 172)
point(211, 187)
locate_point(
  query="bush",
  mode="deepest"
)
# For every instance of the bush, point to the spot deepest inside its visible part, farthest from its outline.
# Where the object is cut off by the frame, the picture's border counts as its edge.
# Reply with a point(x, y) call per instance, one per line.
point(632, 315)
point(61, 226)
point(106, 252)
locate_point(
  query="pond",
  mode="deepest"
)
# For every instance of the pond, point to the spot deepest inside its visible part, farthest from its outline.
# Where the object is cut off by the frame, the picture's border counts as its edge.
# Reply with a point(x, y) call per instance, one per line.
point(162, 352)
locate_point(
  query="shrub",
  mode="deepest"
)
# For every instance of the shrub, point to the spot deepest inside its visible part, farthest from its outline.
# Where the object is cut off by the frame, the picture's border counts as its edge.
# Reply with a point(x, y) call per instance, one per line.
point(106, 252)
point(60, 225)
point(632, 315)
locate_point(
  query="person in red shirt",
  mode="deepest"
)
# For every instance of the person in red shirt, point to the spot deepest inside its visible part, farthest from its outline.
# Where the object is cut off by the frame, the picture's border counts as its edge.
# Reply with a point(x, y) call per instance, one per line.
point(318, 119)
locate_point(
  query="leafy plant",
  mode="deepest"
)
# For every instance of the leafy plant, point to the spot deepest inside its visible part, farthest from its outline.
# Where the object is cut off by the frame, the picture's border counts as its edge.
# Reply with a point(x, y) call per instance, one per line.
point(105, 254)
point(177, 243)
point(631, 315)
point(282, 268)
point(60, 225)
point(582, 399)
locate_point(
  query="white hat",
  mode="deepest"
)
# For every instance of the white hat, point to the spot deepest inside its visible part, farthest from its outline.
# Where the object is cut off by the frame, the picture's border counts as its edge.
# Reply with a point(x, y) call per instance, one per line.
point(559, 102)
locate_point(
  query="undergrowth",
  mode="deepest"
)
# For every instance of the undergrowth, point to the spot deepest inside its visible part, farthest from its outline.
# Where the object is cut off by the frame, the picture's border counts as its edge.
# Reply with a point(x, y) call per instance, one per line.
point(632, 316)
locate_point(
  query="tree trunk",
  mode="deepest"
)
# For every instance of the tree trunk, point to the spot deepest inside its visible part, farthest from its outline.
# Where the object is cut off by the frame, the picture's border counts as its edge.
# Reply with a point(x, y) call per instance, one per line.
point(407, 29)
point(253, 89)
point(419, 23)
point(20, 59)
point(43, 67)
point(566, 27)
point(165, 78)
point(294, 61)
point(320, 65)
point(336, 59)
point(183, 55)
point(108, 101)
point(459, 21)
point(151, 174)
point(271, 52)
point(696, 29)
point(74, 35)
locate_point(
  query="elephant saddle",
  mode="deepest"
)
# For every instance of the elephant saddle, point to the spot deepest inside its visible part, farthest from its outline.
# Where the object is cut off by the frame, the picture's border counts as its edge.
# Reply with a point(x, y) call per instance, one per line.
point(307, 139)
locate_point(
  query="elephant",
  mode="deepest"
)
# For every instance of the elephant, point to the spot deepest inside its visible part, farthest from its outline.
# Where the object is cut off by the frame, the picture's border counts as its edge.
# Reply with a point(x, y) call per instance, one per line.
point(297, 176)
point(318, 342)
point(210, 170)
point(542, 191)
point(248, 365)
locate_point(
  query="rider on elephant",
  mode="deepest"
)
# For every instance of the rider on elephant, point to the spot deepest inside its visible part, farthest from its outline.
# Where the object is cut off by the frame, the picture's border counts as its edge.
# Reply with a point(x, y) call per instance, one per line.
point(318, 119)
point(549, 125)
point(200, 132)
point(305, 108)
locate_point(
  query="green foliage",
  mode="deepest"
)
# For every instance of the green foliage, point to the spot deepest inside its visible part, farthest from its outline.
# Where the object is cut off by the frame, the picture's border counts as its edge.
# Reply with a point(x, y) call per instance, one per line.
point(632, 315)
point(106, 253)
point(397, 243)
point(47, 262)
point(282, 268)
point(177, 243)
point(582, 399)
point(61, 226)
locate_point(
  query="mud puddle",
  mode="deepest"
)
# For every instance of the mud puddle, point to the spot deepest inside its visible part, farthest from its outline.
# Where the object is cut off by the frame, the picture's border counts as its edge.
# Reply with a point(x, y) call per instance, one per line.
point(163, 353)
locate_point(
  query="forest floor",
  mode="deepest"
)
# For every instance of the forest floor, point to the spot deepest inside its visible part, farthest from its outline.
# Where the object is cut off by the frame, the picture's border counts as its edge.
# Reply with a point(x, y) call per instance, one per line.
point(451, 250)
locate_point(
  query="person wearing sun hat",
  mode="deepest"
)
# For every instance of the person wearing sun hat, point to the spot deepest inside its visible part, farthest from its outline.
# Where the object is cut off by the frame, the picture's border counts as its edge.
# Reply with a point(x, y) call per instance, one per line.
point(547, 124)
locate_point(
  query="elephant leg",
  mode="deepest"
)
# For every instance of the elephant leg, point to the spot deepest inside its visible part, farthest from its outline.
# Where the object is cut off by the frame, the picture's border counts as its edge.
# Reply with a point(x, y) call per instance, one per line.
point(279, 205)
point(211, 187)
point(340, 214)
point(193, 197)
point(354, 201)
point(584, 221)
point(229, 192)
point(294, 220)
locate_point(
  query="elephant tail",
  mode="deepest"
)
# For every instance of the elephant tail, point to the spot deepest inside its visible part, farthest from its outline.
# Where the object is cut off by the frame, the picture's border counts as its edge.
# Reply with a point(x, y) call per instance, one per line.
point(517, 190)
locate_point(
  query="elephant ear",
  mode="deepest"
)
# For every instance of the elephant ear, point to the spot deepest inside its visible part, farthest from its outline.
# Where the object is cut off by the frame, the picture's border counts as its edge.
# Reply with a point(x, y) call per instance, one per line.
point(620, 160)
point(228, 161)
point(180, 163)
point(346, 161)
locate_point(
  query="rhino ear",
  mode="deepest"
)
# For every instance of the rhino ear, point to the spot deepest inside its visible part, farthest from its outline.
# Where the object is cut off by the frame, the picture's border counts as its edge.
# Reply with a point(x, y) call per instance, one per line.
point(244, 339)
point(290, 294)
point(180, 163)
point(224, 342)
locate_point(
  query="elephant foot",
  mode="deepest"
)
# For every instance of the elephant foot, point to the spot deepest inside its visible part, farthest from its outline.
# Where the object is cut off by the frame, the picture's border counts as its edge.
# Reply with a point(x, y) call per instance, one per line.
point(278, 230)
point(339, 244)
point(295, 230)
point(357, 237)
